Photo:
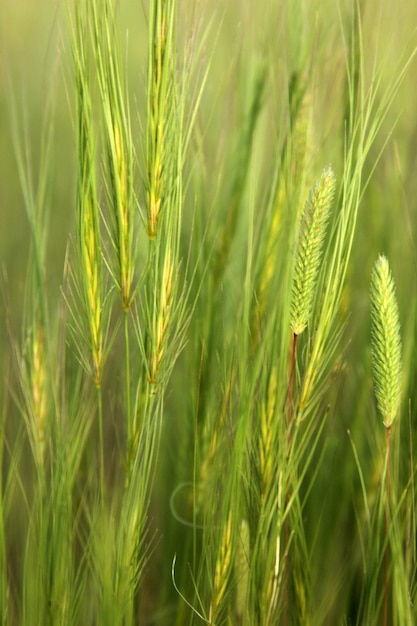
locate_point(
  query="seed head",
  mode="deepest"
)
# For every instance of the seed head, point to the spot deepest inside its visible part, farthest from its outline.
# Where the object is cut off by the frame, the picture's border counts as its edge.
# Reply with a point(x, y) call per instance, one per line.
point(386, 341)
point(310, 247)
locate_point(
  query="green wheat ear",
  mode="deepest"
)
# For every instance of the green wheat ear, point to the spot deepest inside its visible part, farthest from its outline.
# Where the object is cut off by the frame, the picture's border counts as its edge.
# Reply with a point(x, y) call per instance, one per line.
point(310, 247)
point(386, 341)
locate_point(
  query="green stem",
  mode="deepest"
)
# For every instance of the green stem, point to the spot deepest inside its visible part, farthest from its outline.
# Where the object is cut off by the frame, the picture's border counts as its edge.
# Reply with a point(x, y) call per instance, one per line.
point(128, 398)
point(101, 442)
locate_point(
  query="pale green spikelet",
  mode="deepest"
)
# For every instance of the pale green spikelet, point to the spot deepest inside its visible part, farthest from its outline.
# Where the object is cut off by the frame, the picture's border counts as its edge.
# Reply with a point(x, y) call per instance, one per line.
point(309, 249)
point(386, 341)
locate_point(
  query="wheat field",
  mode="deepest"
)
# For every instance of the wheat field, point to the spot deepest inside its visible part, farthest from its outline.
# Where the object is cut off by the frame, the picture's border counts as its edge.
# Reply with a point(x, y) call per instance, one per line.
point(208, 313)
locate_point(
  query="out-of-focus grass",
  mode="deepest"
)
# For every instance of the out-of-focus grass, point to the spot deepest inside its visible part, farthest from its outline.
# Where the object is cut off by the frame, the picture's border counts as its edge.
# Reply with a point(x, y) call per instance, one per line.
point(31, 75)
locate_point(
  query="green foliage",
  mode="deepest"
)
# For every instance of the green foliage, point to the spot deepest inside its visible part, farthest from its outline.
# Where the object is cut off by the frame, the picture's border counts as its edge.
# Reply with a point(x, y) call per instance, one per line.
point(187, 431)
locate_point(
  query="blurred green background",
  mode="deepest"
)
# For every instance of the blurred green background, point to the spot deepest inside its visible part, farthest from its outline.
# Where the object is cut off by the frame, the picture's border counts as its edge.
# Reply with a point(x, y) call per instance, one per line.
point(33, 67)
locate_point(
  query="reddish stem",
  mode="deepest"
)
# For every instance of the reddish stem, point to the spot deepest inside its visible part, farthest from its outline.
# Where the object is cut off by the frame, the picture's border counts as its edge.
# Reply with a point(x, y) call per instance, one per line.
point(387, 498)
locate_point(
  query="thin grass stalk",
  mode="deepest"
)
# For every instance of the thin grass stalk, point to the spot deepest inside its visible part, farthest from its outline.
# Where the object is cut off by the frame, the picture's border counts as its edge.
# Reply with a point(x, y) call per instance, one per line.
point(130, 420)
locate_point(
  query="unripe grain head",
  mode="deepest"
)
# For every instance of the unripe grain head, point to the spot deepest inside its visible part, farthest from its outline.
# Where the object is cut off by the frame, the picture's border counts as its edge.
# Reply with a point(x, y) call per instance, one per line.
point(309, 249)
point(386, 341)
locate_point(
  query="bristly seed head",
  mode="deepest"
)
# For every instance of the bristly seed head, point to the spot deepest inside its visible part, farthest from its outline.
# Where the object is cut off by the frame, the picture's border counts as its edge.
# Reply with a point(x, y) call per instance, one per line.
point(309, 249)
point(386, 341)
